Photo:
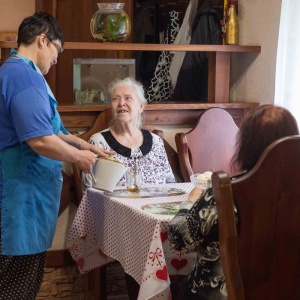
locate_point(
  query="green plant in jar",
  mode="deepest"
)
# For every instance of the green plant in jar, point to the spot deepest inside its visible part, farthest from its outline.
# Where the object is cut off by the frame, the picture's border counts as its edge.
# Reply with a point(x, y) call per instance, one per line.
point(116, 25)
point(110, 23)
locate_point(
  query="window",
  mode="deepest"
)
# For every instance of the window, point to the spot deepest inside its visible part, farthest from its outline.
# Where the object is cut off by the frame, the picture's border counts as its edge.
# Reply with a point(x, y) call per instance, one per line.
point(287, 83)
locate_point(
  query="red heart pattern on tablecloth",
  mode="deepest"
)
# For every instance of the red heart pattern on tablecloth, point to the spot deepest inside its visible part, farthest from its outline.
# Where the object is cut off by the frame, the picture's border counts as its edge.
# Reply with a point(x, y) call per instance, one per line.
point(179, 263)
point(83, 237)
point(164, 236)
point(162, 274)
point(80, 263)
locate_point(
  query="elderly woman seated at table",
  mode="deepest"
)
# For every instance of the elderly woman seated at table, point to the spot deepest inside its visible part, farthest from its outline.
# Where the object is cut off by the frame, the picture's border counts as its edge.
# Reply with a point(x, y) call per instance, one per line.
point(195, 226)
point(134, 146)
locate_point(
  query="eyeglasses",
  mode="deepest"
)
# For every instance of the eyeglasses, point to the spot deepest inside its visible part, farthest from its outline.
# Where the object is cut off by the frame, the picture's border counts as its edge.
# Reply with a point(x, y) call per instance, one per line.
point(58, 47)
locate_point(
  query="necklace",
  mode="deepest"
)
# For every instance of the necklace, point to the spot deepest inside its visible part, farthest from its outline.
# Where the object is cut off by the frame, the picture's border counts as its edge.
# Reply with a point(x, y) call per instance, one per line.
point(138, 141)
point(132, 142)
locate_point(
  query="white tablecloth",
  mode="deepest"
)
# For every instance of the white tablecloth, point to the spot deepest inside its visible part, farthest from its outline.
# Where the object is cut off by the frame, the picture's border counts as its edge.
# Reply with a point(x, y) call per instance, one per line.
point(108, 228)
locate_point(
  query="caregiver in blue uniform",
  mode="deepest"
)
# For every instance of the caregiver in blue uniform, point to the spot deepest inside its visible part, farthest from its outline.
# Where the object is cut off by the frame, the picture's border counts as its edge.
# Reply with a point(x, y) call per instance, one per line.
point(33, 142)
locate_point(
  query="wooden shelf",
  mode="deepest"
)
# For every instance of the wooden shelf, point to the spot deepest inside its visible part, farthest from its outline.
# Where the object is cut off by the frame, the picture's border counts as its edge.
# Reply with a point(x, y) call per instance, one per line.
point(60, 76)
point(149, 47)
point(218, 63)
point(160, 47)
point(166, 113)
point(158, 106)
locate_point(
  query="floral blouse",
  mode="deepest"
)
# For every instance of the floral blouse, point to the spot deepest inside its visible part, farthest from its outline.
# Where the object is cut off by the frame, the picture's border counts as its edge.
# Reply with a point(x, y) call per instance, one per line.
point(150, 159)
point(195, 228)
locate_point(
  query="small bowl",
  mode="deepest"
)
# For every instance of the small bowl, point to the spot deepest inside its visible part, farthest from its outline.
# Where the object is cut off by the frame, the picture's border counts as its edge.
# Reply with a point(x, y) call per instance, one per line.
point(202, 180)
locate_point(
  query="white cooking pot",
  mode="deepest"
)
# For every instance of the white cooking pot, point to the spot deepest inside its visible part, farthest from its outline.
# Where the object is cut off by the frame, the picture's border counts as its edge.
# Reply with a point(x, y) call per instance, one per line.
point(107, 173)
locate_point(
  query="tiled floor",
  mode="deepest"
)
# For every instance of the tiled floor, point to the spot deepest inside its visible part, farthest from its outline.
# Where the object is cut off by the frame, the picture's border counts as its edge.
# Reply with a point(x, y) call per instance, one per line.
point(116, 286)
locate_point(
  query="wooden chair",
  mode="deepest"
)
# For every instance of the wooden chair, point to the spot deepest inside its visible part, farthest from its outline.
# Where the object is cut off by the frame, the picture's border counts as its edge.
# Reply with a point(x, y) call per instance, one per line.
point(101, 122)
point(209, 146)
point(260, 253)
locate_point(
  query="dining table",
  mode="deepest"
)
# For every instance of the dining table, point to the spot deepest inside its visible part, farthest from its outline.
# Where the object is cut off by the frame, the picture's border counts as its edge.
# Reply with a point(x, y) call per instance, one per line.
point(131, 228)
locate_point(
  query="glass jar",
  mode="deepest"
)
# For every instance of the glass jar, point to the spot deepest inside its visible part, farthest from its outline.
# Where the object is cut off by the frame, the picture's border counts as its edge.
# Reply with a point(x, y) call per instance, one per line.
point(110, 23)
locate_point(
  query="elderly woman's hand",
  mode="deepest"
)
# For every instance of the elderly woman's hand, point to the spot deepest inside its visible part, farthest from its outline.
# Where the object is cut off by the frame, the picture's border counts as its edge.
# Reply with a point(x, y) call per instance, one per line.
point(195, 194)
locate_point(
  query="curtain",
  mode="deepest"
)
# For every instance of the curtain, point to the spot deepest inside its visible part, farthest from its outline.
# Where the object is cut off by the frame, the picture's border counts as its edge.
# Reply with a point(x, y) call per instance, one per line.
point(287, 82)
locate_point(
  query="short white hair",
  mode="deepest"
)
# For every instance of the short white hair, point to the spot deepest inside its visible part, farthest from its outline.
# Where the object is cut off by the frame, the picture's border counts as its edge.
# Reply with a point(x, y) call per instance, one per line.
point(138, 88)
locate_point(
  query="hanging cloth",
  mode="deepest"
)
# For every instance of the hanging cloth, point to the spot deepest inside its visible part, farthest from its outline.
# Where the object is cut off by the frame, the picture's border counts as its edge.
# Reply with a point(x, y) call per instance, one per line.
point(161, 85)
point(192, 81)
point(144, 33)
point(183, 37)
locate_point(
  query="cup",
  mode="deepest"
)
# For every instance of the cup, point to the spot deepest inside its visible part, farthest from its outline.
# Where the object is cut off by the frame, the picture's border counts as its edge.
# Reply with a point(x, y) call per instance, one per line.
point(133, 182)
point(203, 181)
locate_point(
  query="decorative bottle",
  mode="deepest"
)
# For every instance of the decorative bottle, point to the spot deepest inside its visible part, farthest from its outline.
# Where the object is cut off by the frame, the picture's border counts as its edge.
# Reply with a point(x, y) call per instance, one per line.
point(232, 27)
point(110, 23)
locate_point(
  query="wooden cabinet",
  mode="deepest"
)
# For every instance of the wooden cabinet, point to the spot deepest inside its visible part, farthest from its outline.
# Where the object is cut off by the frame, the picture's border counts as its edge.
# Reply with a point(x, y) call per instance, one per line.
point(74, 17)
point(83, 116)
point(61, 77)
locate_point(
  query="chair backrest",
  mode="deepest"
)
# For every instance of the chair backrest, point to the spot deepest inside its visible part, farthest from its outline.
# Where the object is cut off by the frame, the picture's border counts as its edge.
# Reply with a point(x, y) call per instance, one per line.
point(209, 146)
point(102, 122)
point(260, 254)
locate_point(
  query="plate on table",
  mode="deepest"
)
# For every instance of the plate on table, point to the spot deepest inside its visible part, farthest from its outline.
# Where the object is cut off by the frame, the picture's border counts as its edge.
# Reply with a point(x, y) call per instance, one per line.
point(147, 192)
point(170, 208)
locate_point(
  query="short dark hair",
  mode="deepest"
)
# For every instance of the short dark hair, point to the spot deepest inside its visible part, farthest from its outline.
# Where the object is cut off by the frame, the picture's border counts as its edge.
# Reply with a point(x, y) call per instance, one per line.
point(38, 23)
point(259, 129)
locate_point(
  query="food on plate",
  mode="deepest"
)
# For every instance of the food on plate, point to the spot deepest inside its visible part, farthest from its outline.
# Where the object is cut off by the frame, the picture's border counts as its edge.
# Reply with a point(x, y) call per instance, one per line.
point(202, 180)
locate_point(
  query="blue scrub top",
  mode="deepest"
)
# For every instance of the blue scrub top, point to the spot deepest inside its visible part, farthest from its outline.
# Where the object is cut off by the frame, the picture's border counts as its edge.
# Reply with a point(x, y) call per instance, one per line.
point(31, 184)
